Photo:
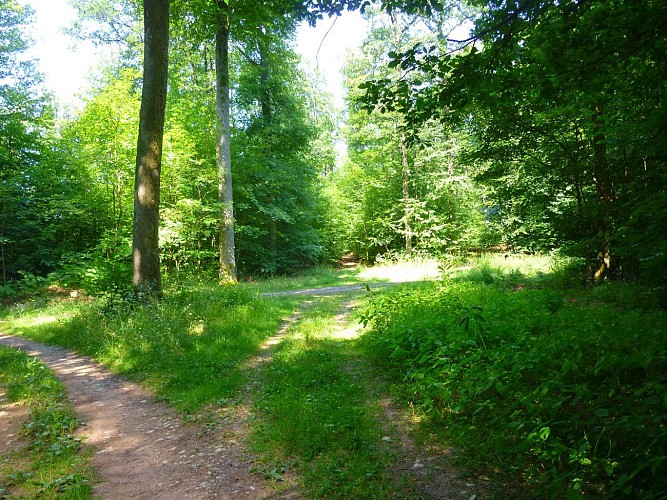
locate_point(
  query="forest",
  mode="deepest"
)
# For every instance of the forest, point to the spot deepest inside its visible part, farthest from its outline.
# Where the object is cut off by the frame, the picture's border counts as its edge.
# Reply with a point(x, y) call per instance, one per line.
point(540, 132)
point(204, 159)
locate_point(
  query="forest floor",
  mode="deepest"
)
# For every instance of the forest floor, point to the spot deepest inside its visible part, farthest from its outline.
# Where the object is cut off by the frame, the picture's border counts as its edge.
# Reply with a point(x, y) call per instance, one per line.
point(142, 448)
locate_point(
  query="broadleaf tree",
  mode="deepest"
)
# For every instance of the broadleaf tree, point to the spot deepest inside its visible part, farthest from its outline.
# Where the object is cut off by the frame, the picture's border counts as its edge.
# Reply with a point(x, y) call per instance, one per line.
point(145, 245)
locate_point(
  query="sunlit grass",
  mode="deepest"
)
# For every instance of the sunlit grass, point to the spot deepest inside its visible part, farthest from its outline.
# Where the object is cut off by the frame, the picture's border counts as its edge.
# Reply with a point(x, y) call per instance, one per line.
point(310, 278)
point(316, 415)
point(403, 270)
point(188, 347)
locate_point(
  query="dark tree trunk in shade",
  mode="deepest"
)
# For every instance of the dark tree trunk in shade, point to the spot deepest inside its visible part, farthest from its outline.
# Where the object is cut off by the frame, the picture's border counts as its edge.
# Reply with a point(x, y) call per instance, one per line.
point(405, 164)
point(145, 248)
point(605, 194)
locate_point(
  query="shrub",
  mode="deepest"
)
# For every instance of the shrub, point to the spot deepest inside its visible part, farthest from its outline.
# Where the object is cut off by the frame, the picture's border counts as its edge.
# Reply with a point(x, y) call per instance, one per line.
point(569, 393)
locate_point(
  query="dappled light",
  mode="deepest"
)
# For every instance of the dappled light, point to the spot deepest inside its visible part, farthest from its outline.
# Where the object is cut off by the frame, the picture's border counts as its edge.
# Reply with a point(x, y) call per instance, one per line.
point(458, 270)
point(402, 271)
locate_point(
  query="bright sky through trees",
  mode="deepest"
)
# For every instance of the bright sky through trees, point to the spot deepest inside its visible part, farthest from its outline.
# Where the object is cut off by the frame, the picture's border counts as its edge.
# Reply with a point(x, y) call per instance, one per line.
point(325, 47)
point(66, 62)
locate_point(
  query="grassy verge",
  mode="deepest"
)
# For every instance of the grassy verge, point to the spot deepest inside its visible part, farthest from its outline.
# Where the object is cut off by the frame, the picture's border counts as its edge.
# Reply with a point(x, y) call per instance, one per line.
point(314, 415)
point(188, 347)
point(51, 463)
point(309, 278)
point(565, 391)
point(399, 270)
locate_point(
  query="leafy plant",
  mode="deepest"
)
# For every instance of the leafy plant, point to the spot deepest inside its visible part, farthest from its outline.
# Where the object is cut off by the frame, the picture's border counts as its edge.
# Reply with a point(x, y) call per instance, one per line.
point(52, 460)
point(472, 322)
point(569, 393)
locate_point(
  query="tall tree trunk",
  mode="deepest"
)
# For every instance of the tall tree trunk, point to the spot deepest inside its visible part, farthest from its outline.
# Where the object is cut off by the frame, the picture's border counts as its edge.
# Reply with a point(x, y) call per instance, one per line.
point(605, 193)
point(405, 159)
point(405, 163)
point(145, 248)
point(2, 259)
point(227, 271)
point(266, 117)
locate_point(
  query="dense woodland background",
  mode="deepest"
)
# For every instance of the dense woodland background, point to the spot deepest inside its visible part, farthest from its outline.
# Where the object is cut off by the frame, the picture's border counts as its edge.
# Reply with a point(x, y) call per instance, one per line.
point(543, 131)
point(540, 131)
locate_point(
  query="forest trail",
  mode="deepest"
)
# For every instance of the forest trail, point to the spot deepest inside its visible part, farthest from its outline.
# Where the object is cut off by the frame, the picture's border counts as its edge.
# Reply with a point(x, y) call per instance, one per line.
point(143, 449)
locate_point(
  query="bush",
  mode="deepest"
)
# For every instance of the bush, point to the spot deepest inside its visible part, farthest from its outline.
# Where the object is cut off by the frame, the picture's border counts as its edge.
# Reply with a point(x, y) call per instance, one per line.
point(104, 270)
point(568, 393)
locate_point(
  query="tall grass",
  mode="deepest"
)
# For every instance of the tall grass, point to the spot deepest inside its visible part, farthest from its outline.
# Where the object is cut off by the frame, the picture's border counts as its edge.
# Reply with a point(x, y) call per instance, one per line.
point(188, 347)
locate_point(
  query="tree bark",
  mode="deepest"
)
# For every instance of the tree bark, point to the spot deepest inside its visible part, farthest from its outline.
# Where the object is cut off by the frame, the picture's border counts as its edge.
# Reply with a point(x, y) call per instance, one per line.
point(605, 193)
point(227, 271)
point(405, 162)
point(145, 247)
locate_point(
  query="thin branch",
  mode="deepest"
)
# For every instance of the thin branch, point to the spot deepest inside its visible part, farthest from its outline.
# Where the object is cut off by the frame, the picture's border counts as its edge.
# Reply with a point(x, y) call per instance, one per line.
point(317, 55)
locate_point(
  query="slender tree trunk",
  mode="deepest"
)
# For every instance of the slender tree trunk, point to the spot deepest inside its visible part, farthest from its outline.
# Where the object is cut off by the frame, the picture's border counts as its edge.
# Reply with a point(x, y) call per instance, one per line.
point(405, 159)
point(405, 162)
point(2, 258)
point(225, 194)
point(145, 248)
point(267, 117)
point(604, 190)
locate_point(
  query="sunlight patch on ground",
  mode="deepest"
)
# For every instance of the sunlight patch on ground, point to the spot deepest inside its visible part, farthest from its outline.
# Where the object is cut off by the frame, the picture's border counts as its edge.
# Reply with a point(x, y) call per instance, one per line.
point(38, 321)
point(349, 332)
point(403, 271)
point(346, 328)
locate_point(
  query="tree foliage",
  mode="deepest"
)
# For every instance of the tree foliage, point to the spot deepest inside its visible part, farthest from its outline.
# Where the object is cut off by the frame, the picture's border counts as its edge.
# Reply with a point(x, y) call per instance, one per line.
point(393, 196)
point(539, 130)
point(564, 102)
point(40, 206)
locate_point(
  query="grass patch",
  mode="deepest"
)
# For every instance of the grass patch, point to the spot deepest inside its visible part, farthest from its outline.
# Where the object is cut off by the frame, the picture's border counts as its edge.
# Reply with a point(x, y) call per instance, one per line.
point(401, 270)
point(187, 347)
point(316, 277)
point(389, 271)
point(51, 463)
point(566, 391)
point(314, 415)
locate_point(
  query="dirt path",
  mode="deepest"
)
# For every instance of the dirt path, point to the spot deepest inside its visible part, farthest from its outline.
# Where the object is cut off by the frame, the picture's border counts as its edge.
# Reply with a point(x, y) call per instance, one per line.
point(143, 449)
point(12, 415)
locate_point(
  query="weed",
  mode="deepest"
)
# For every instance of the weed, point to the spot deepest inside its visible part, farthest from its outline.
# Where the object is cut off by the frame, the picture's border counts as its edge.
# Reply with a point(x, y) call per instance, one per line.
point(472, 322)
point(56, 463)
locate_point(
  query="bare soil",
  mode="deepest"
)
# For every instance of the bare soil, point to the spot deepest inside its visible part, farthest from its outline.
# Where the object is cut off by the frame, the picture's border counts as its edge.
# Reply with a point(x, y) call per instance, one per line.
point(12, 415)
point(143, 448)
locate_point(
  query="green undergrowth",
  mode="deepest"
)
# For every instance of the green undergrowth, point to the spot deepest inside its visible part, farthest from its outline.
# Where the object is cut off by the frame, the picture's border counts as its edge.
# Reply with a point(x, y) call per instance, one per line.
point(49, 461)
point(564, 391)
point(315, 416)
point(187, 347)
